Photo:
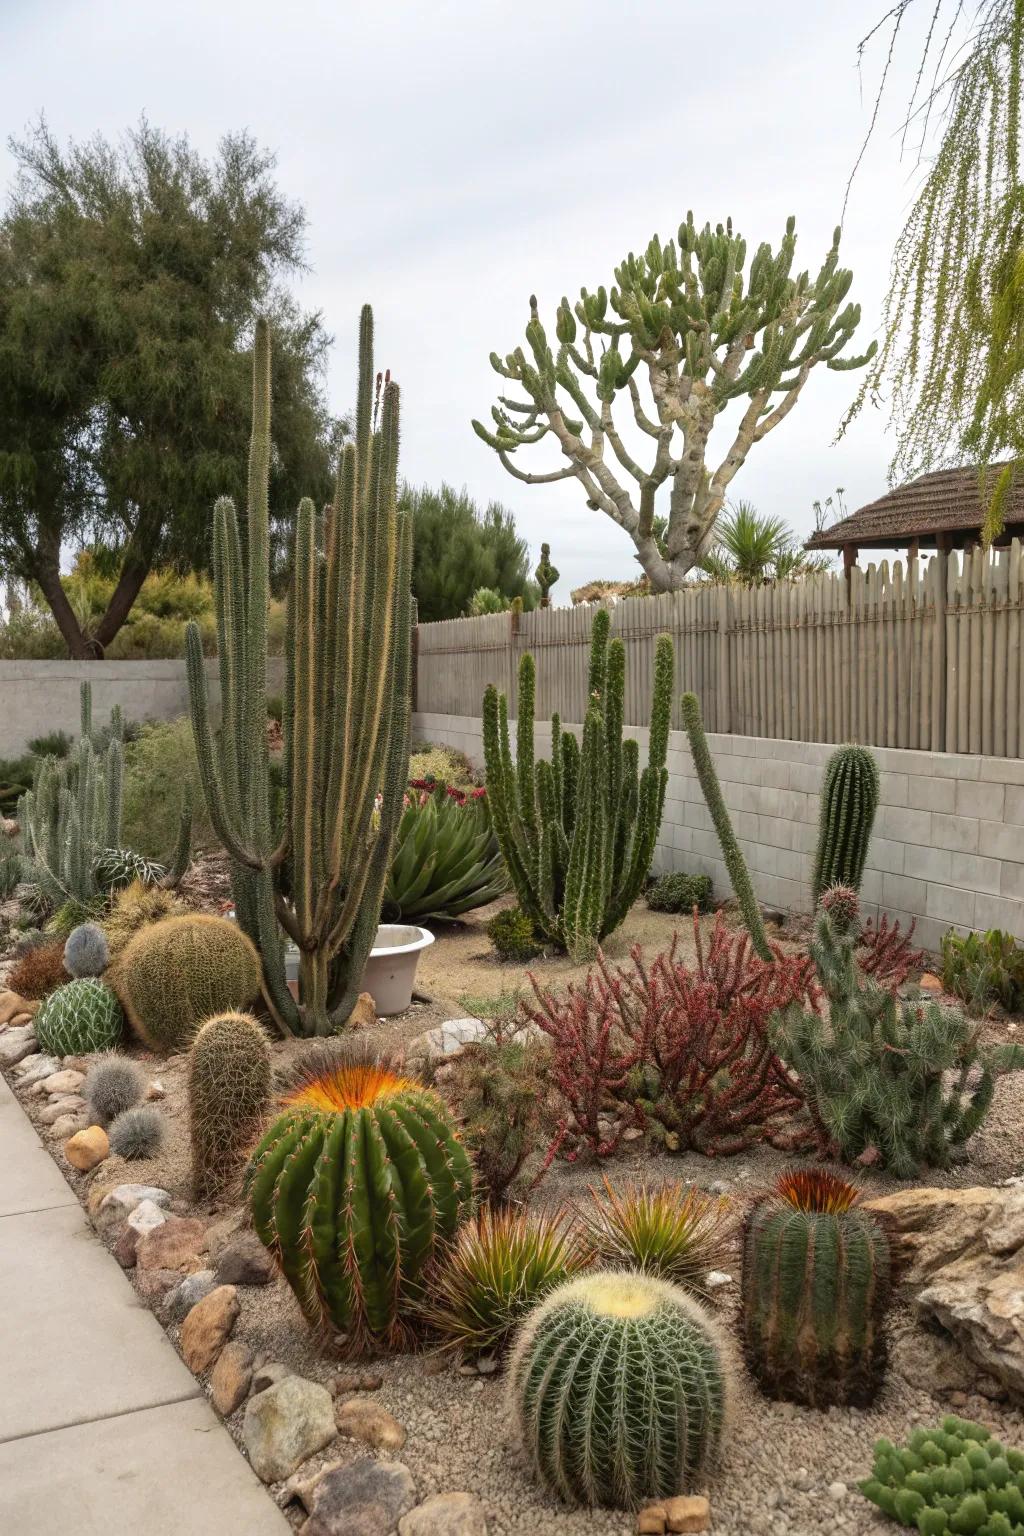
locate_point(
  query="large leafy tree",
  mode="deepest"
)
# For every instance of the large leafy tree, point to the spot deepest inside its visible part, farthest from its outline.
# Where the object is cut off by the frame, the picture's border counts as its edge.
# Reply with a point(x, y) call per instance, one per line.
point(130, 278)
point(458, 549)
point(951, 365)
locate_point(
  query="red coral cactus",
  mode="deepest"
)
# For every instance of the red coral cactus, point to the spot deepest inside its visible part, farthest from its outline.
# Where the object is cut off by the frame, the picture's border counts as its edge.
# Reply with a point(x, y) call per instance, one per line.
point(885, 952)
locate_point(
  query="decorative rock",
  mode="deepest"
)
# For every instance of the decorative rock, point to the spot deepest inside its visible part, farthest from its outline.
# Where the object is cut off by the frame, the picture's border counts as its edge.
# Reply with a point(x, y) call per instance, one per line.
point(687, 1513)
point(154, 1284)
point(356, 1381)
point(16, 1043)
point(206, 1328)
point(34, 1068)
point(230, 1378)
point(12, 1005)
point(362, 1418)
point(60, 1083)
point(286, 1424)
point(173, 1244)
point(124, 1248)
point(930, 983)
point(365, 1498)
point(716, 1279)
point(87, 1148)
point(245, 1261)
point(445, 1514)
point(179, 1302)
point(68, 1124)
point(268, 1375)
point(145, 1218)
point(446, 1039)
point(651, 1521)
point(77, 1064)
point(155, 1090)
point(837, 1492)
point(364, 1014)
point(71, 1104)
point(114, 1205)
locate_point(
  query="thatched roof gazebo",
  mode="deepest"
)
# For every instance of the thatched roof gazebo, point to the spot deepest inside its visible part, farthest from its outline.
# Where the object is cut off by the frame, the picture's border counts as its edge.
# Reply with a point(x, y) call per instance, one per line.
point(943, 511)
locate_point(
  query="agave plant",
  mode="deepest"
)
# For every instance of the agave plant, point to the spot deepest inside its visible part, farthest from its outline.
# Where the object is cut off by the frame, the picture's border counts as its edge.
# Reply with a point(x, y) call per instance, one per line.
point(676, 1231)
point(446, 858)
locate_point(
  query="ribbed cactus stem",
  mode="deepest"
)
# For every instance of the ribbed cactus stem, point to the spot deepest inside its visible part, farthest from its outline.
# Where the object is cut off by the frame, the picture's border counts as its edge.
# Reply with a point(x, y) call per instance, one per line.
point(711, 789)
point(849, 800)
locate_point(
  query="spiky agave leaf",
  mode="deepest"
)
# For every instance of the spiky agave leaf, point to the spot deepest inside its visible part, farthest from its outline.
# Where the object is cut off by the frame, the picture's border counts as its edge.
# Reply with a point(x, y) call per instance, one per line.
point(676, 1231)
point(499, 1266)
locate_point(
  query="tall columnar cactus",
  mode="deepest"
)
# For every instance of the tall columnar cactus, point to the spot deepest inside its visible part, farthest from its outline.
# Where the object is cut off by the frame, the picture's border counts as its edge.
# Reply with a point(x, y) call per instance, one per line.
point(735, 863)
point(229, 1076)
point(902, 1079)
point(578, 832)
point(546, 575)
point(175, 974)
point(354, 1189)
point(619, 1385)
point(320, 874)
point(849, 800)
point(816, 1284)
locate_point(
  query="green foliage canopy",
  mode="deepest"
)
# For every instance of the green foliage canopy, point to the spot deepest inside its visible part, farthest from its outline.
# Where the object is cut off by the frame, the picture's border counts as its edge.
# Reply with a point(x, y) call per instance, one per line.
point(457, 549)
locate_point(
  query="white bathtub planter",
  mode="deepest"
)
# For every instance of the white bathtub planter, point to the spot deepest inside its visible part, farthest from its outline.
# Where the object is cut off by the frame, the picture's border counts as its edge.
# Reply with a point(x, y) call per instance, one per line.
point(391, 969)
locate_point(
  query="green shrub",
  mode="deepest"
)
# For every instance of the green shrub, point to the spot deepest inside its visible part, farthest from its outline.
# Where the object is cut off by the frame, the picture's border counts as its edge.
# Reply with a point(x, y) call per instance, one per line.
point(53, 744)
point(680, 893)
point(513, 935)
point(175, 974)
point(446, 765)
point(950, 1479)
point(499, 1089)
point(983, 969)
point(158, 768)
point(79, 1018)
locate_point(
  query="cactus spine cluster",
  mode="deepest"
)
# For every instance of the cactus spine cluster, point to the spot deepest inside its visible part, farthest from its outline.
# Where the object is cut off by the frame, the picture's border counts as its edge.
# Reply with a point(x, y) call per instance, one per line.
point(578, 832)
point(953, 1478)
point(901, 1078)
point(320, 876)
point(816, 1283)
point(113, 1084)
point(79, 1018)
point(229, 1078)
point(174, 974)
point(618, 1383)
point(545, 575)
point(354, 1189)
point(735, 863)
point(849, 800)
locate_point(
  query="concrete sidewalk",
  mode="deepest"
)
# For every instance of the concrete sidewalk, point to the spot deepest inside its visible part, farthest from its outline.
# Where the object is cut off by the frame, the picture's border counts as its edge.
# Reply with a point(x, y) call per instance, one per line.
point(103, 1431)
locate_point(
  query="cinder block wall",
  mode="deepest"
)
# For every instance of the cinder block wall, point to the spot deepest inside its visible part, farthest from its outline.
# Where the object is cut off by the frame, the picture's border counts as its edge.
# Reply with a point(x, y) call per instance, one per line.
point(948, 845)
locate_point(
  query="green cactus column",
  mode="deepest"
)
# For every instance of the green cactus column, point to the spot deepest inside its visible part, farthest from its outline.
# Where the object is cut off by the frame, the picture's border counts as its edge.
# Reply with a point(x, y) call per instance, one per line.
point(849, 800)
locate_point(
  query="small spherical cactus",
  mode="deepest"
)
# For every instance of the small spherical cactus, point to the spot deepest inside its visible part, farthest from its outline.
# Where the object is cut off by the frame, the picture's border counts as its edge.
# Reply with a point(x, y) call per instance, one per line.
point(79, 1018)
point(229, 1077)
point(113, 1084)
point(842, 904)
point(86, 952)
point(138, 1133)
point(619, 1385)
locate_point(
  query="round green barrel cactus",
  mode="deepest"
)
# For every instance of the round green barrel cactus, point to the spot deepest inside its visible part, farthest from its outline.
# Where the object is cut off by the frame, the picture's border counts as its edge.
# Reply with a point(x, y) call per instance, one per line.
point(816, 1283)
point(175, 974)
point(79, 1018)
point(619, 1386)
point(849, 800)
point(354, 1188)
point(228, 1098)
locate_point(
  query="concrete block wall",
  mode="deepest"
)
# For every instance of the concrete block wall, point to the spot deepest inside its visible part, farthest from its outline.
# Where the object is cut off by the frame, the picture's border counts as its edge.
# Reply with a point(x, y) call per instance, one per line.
point(948, 844)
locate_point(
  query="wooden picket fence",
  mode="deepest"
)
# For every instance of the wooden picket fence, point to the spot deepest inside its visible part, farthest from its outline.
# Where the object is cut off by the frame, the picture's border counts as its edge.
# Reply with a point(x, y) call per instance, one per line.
point(921, 654)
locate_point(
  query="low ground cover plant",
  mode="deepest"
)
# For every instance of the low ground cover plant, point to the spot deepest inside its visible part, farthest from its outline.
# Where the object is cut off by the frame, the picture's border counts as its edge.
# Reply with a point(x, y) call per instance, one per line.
point(983, 969)
point(677, 892)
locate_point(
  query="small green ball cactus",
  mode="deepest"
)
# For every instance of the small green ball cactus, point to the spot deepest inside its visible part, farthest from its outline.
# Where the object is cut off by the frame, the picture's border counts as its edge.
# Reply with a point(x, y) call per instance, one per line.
point(849, 800)
point(229, 1077)
point(79, 1018)
point(951, 1479)
point(86, 952)
point(619, 1386)
point(175, 974)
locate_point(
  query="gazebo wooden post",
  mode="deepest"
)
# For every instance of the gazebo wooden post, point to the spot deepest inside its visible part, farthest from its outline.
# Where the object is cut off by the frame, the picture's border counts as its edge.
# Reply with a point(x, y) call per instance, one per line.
point(849, 561)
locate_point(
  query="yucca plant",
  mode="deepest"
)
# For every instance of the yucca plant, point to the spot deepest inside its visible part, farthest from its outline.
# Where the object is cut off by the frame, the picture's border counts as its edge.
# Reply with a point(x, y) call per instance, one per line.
point(446, 858)
point(675, 1231)
point(499, 1266)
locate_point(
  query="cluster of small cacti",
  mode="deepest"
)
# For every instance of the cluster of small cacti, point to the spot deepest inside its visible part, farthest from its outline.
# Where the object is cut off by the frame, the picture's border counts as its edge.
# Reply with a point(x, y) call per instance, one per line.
point(577, 832)
point(951, 1479)
point(79, 1018)
point(849, 800)
point(113, 1084)
point(619, 1387)
point(354, 1189)
point(229, 1077)
point(175, 974)
point(86, 951)
point(816, 1284)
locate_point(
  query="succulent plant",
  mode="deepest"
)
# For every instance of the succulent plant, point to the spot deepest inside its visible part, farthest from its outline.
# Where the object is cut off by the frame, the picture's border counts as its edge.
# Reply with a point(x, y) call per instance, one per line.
point(354, 1188)
point(229, 1077)
point(513, 935)
point(80, 1017)
point(677, 892)
point(816, 1285)
point(674, 1231)
point(113, 1084)
point(950, 1479)
point(39, 969)
point(115, 868)
point(173, 975)
point(849, 800)
point(86, 952)
point(135, 907)
point(138, 1133)
point(445, 859)
point(499, 1266)
point(619, 1386)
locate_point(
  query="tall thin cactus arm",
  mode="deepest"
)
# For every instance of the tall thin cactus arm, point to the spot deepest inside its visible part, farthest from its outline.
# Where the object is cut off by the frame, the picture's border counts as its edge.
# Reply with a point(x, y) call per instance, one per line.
point(735, 863)
point(320, 875)
point(704, 333)
point(849, 800)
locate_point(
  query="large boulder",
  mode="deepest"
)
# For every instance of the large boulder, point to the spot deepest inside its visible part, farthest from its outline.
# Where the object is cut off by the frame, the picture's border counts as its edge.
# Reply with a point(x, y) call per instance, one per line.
point(960, 1254)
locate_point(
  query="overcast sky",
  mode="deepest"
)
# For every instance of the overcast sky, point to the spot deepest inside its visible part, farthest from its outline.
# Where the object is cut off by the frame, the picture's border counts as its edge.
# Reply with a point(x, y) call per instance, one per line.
point(457, 156)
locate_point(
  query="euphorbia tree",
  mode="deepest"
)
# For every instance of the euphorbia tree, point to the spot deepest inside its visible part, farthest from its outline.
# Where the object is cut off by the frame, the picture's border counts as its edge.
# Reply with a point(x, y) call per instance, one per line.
point(705, 336)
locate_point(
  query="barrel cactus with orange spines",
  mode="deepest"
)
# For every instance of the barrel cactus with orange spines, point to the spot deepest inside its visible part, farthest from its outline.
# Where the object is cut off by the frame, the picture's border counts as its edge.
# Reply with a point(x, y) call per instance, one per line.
point(354, 1189)
point(816, 1284)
